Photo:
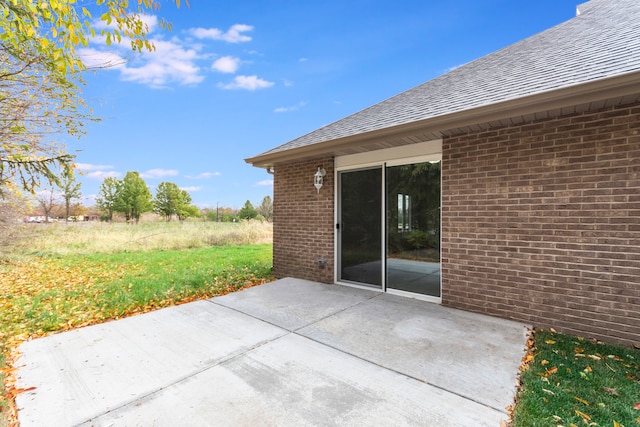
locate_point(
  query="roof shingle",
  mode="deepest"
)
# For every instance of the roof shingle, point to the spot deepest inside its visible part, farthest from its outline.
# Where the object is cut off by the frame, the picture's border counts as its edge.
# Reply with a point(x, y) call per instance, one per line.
point(602, 41)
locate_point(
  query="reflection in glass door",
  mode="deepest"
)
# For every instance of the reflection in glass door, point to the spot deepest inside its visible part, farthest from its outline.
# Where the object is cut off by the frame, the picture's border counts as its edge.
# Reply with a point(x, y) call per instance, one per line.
point(360, 226)
point(413, 228)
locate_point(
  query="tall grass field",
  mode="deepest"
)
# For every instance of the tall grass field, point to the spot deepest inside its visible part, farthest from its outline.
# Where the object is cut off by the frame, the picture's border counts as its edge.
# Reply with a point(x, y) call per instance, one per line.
point(100, 237)
point(65, 276)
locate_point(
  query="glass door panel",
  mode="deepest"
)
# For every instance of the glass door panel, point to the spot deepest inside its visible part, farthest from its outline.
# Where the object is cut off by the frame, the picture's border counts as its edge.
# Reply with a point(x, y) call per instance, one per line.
point(360, 226)
point(413, 228)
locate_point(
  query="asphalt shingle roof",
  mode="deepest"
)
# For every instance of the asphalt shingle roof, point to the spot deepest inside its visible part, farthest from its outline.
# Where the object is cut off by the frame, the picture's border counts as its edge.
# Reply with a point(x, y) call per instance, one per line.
point(602, 41)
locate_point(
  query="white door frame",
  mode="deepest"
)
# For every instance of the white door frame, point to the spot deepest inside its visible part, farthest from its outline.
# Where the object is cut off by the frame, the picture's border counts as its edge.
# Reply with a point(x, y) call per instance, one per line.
point(397, 156)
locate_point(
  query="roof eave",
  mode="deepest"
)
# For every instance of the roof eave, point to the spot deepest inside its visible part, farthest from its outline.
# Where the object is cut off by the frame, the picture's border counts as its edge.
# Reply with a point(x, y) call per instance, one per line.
point(596, 90)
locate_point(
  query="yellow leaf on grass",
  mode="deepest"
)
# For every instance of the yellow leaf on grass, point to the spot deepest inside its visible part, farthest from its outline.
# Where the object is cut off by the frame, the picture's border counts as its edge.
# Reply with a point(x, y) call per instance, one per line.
point(584, 402)
point(583, 415)
point(616, 424)
point(544, 362)
point(550, 342)
point(551, 371)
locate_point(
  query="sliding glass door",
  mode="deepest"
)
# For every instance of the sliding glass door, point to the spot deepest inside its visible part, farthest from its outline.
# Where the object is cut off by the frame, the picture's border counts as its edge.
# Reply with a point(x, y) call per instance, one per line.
point(413, 228)
point(360, 226)
point(389, 227)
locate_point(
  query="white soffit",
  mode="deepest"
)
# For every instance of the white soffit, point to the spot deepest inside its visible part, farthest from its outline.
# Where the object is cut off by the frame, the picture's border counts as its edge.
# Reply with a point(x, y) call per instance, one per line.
point(429, 150)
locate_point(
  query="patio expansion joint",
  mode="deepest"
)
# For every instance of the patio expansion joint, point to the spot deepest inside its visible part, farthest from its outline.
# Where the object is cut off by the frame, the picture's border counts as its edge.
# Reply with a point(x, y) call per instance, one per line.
point(183, 378)
point(295, 331)
point(404, 374)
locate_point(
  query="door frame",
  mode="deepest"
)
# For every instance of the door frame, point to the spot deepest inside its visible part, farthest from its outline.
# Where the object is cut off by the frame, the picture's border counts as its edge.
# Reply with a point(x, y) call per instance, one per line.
point(397, 156)
point(338, 231)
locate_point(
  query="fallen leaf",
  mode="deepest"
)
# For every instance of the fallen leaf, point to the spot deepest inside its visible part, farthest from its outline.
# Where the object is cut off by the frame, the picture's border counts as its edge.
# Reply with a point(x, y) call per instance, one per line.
point(548, 392)
point(611, 391)
point(583, 415)
point(550, 371)
point(544, 362)
point(616, 424)
point(584, 402)
point(550, 342)
point(637, 406)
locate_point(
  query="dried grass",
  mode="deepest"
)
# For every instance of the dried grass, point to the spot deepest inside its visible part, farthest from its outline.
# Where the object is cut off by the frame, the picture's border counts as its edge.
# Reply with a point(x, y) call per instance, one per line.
point(87, 238)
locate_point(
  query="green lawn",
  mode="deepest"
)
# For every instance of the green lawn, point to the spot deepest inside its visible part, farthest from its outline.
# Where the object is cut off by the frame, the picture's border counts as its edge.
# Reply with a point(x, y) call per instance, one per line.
point(40, 295)
point(568, 381)
point(576, 382)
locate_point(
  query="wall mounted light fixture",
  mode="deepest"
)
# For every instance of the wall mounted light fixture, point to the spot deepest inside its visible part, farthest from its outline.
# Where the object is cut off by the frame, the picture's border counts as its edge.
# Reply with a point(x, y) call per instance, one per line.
point(318, 178)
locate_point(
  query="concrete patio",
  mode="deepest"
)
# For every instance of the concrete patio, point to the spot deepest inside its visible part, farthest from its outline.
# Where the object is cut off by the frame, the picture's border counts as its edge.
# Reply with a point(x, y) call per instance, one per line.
point(290, 352)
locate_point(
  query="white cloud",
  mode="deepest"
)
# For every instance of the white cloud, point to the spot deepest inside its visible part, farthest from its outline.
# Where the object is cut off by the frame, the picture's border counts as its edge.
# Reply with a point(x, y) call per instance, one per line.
point(290, 108)
point(98, 172)
point(191, 189)
point(150, 21)
point(265, 183)
point(100, 175)
point(94, 58)
point(203, 175)
point(233, 34)
point(247, 83)
point(90, 167)
point(303, 59)
point(226, 64)
point(158, 173)
point(171, 62)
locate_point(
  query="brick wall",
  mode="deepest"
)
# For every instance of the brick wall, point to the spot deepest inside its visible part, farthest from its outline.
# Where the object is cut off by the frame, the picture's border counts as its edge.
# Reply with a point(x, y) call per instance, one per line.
point(541, 223)
point(303, 221)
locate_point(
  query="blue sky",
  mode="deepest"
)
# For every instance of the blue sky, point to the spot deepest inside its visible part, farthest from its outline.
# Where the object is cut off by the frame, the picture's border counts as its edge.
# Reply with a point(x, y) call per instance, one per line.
point(236, 78)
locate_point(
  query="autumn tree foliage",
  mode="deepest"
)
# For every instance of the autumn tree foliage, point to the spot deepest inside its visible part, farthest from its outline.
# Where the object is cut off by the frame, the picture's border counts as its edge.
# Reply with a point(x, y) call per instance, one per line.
point(40, 76)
